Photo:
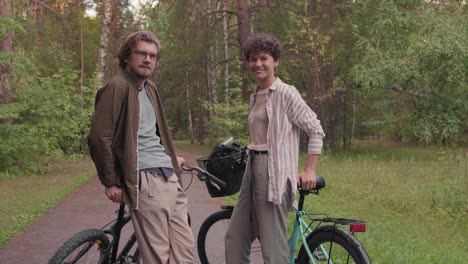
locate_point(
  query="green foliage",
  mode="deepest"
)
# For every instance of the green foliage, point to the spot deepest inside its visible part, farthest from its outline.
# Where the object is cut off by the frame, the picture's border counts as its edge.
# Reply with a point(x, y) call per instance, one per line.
point(402, 62)
point(229, 121)
point(22, 148)
point(422, 50)
point(48, 118)
point(438, 119)
point(414, 200)
point(8, 24)
point(12, 110)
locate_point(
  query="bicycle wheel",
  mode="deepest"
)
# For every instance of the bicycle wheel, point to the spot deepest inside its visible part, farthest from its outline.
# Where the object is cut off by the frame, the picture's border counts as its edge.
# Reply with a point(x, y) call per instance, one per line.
point(334, 243)
point(211, 250)
point(210, 240)
point(87, 246)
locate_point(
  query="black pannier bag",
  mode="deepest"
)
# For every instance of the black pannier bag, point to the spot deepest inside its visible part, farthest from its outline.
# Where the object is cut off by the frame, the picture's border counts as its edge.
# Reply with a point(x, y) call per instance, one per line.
point(227, 162)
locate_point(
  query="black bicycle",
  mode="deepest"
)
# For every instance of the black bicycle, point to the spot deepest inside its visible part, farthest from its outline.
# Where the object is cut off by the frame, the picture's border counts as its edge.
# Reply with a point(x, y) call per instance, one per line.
point(100, 245)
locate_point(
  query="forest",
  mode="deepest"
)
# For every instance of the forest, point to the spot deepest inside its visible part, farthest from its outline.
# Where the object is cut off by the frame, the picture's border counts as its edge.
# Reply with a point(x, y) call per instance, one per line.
point(381, 70)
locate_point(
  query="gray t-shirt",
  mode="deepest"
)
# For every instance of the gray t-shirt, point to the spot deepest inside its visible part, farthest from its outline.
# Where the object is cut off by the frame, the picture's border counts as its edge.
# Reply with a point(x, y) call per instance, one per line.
point(150, 151)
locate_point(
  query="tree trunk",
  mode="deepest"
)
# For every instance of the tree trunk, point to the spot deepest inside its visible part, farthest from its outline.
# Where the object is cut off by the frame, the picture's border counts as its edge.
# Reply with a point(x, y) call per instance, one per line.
point(35, 16)
point(243, 17)
point(82, 63)
point(214, 78)
point(226, 54)
point(333, 95)
point(207, 85)
point(344, 134)
point(315, 76)
point(212, 62)
point(113, 42)
point(201, 124)
point(353, 120)
point(5, 70)
point(189, 109)
point(103, 47)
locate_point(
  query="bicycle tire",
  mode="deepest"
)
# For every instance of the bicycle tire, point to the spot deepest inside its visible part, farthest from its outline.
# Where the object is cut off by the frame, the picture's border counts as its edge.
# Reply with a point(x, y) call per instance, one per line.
point(83, 241)
point(210, 240)
point(345, 248)
point(203, 232)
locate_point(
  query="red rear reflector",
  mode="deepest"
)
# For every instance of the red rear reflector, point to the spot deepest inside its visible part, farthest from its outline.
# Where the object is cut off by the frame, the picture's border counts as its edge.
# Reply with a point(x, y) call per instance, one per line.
point(357, 227)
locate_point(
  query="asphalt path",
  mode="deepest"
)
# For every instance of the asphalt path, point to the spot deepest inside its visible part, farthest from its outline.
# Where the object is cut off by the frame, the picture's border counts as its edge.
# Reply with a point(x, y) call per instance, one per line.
point(87, 207)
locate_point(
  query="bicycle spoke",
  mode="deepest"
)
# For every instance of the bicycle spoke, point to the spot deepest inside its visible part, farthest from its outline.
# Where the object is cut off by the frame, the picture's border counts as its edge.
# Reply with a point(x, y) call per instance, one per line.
point(332, 245)
point(332, 253)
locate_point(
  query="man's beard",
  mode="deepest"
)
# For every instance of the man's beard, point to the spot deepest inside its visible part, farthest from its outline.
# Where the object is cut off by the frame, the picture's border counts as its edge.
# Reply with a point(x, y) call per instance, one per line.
point(142, 73)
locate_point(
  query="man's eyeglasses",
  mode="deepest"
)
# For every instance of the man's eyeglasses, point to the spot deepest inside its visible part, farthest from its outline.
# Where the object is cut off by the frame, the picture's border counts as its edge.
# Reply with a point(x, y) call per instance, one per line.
point(141, 54)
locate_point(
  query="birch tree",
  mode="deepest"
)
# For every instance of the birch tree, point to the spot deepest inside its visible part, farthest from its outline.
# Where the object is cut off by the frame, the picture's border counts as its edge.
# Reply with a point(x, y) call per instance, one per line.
point(104, 42)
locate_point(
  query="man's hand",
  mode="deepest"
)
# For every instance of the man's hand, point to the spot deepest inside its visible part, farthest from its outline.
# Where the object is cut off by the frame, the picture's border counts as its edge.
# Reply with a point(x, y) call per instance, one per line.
point(181, 161)
point(114, 193)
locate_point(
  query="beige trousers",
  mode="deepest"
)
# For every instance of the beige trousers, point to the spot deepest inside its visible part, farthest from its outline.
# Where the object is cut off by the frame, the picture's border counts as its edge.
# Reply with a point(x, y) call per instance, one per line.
point(161, 221)
point(255, 216)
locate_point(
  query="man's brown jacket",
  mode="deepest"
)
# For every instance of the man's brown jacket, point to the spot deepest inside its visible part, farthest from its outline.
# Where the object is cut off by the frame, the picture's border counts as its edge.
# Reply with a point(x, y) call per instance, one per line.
point(113, 136)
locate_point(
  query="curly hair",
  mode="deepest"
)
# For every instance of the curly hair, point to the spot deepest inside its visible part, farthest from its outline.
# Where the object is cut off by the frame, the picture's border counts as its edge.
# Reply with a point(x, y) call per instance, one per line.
point(131, 41)
point(262, 42)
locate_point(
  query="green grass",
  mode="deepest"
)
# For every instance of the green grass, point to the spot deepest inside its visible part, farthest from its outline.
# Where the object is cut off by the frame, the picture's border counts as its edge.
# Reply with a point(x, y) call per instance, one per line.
point(415, 200)
point(26, 198)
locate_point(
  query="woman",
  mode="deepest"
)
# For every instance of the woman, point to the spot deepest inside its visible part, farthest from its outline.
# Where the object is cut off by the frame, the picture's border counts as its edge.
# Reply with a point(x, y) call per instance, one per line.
point(268, 191)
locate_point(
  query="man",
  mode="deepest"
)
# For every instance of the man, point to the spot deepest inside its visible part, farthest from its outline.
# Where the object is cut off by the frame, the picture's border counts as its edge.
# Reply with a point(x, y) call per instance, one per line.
point(132, 149)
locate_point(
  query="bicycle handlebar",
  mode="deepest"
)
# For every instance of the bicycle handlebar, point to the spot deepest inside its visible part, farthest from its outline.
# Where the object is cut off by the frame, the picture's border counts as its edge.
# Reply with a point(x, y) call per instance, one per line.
point(203, 175)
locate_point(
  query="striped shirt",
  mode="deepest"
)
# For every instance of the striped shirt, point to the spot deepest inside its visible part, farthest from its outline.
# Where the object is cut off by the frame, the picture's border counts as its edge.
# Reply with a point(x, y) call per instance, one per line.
point(287, 113)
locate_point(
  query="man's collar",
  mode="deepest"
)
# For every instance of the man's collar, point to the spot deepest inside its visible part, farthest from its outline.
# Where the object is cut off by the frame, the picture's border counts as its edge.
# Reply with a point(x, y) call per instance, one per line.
point(133, 80)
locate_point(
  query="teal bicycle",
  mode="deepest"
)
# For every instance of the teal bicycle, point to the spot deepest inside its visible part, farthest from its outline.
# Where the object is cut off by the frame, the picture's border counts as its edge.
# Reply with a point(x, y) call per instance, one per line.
point(324, 239)
point(319, 238)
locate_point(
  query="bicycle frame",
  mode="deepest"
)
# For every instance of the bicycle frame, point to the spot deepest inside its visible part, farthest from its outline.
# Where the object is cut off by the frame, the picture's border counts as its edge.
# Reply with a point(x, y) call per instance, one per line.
point(115, 231)
point(298, 233)
point(301, 231)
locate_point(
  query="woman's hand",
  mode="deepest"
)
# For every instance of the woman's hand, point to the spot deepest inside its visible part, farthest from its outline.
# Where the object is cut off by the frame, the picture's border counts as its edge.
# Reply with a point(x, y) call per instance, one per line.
point(306, 180)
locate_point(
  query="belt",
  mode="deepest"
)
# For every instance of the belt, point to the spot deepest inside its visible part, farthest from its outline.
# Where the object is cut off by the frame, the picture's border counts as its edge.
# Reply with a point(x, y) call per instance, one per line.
point(259, 152)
